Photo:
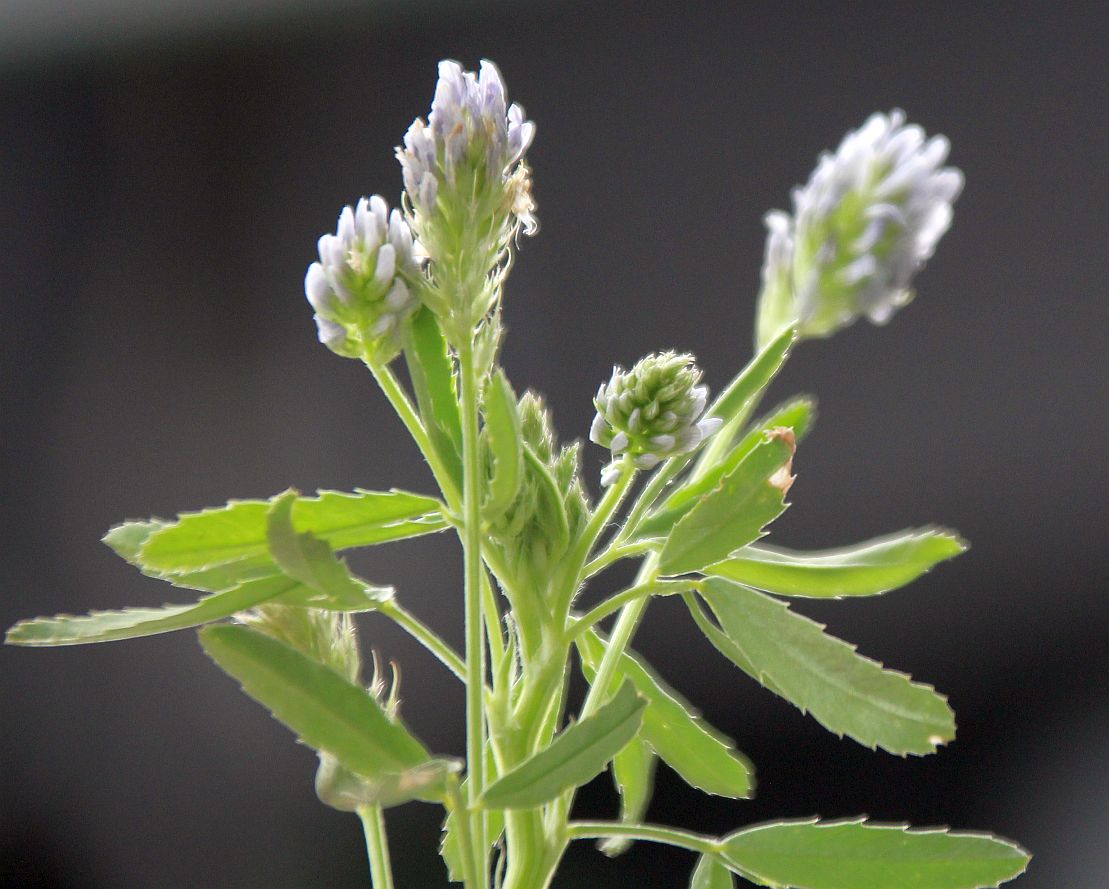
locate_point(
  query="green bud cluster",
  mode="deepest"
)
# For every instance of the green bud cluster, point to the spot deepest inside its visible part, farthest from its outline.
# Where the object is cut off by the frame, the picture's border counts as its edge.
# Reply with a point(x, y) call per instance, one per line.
point(652, 412)
point(328, 637)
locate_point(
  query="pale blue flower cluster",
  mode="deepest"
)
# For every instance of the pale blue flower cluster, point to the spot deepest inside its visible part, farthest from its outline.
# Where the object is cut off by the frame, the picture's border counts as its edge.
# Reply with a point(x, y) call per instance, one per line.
point(361, 287)
point(652, 412)
point(862, 226)
point(469, 130)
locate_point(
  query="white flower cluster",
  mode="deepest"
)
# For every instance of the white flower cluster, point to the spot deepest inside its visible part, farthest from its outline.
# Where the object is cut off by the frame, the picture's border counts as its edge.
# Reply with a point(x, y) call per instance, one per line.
point(862, 226)
point(469, 131)
point(359, 288)
point(652, 411)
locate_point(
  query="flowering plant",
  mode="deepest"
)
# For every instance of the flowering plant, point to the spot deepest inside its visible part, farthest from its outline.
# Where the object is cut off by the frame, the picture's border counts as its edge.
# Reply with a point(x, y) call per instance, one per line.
point(689, 490)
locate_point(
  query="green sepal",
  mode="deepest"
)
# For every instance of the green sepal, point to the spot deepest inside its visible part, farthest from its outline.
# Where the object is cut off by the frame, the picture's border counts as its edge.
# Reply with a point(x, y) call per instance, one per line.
point(633, 772)
point(858, 855)
point(704, 757)
point(797, 415)
point(131, 623)
point(326, 711)
point(734, 513)
point(505, 446)
point(432, 374)
point(575, 757)
point(236, 532)
point(865, 569)
point(344, 790)
point(711, 874)
point(845, 692)
point(307, 559)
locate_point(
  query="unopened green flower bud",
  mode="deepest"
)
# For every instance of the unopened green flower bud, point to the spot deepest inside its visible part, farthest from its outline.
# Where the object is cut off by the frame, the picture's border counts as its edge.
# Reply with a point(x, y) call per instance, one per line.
point(362, 287)
point(862, 227)
point(652, 412)
point(328, 637)
point(468, 190)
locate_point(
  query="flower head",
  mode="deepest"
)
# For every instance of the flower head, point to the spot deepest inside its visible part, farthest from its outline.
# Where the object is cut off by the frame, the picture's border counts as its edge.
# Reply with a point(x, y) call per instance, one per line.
point(361, 288)
point(468, 189)
point(652, 411)
point(862, 226)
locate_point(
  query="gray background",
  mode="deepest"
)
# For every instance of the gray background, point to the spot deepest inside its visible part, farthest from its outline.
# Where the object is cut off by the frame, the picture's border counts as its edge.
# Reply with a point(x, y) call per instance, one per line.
point(165, 170)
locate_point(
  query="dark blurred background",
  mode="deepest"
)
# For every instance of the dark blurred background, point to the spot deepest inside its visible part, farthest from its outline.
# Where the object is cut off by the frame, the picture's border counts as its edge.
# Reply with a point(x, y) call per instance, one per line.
point(165, 169)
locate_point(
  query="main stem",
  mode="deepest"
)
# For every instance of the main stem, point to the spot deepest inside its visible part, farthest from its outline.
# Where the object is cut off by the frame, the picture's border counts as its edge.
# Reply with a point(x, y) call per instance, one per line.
point(475, 649)
point(377, 847)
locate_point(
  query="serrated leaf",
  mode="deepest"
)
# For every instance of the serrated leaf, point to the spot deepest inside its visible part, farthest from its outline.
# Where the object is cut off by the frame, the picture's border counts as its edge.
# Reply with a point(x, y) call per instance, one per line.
point(796, 415)
point(858, 855)
point(734, 513)
point(325, 710)
point(309, 560)
point(429, 367)
point(575, 757)
point(344, 790)
point(237, 532)
point(633, 771)
point(131, 623)
point(502, 437)
point(845, 692)
point(704, 757)
point(711, 874)
point(865, 569)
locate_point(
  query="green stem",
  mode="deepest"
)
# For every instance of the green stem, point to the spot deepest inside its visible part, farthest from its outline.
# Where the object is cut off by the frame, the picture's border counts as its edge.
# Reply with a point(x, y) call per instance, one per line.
point(653, 833)
point(619, 600)
point(377, 846)
point(475, 649)
point(426, 636)
point(622, 633)
point(614, 553)
point(398, 398)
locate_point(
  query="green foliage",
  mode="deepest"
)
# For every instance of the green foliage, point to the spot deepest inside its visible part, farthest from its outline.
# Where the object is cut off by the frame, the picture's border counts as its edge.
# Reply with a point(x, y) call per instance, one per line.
point(576, 756)
point(280, 605)
point(734, 513)
point(865, 569)
point(858, 855)
point(844, 691)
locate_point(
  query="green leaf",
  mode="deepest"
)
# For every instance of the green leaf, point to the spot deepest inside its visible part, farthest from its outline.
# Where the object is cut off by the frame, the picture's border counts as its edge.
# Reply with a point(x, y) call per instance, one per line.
point(752, 381)
point(633, 770)
point(734, 513)
point(329, 713)
point(857, 855)
point(865, 569)
point(704, 757)
point(130, 623)
point(822, 675)
point(342, 789)
point(711, 874)
point(306, 558)
point(575, 757)
point(237, 532)
point(502, 436)
point(429, 367)
point(796, 415)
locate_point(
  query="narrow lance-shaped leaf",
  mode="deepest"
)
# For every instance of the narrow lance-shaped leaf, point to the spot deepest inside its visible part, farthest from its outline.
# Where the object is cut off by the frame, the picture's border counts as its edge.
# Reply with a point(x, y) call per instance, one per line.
point(131, 623)
point(865, 569)
point(237, 531)
point(822, 675)
point(575, 757)
point(711, 874)
point(306, 558)
point(857, 855)
point(752, 381)
point(502, 437)
point(704, 757)
point(429, 366)
point(734, 513)
point(633, 771)
point(796, 415)
point(328, 712)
